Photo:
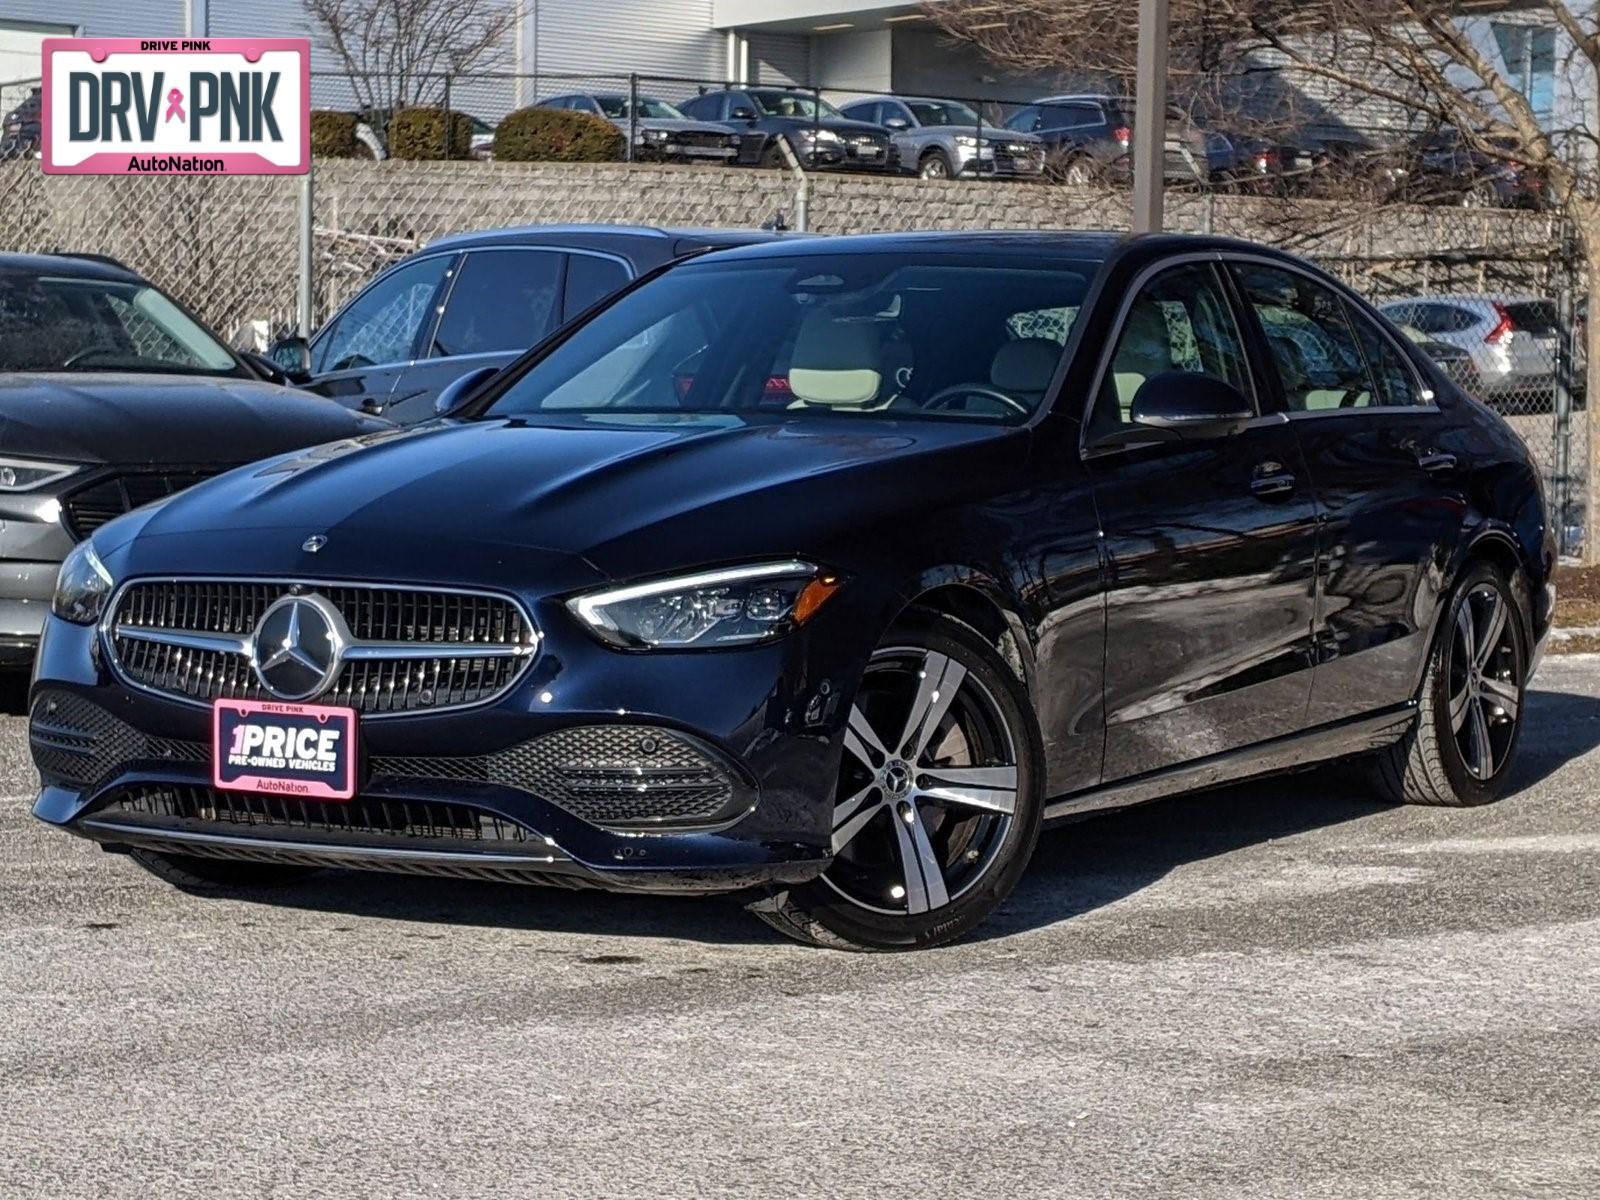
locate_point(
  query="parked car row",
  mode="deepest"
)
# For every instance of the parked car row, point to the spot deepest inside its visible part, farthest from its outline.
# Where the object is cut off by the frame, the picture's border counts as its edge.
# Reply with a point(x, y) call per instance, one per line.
point(819, 571)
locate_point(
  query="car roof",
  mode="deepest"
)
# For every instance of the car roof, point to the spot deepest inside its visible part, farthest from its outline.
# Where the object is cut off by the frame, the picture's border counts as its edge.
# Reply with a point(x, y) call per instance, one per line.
point(593, 235)
point(1467, 298)
point(1097, 97)
point(86, 266)
point(1087, 244)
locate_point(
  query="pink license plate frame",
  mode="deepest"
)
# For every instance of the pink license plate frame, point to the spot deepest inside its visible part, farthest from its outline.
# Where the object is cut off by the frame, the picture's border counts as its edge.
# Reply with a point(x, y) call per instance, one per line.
point(244, 761)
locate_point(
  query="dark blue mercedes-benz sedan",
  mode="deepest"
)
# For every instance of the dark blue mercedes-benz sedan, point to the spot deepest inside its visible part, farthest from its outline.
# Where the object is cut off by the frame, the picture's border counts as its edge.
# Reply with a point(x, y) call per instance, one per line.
point(825, 573)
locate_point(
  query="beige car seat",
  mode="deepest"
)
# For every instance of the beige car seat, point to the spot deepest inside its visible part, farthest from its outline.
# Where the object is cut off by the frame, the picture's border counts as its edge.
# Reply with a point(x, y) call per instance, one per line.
point(837, 362)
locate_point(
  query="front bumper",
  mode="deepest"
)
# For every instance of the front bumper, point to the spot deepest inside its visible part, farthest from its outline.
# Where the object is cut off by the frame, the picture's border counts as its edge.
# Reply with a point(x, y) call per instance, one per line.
point(127, 768)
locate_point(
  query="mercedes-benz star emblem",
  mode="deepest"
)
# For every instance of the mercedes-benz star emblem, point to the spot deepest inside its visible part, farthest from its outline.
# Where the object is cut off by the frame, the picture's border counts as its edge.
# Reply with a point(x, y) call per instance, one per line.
point(314, 543)
point(297, 647)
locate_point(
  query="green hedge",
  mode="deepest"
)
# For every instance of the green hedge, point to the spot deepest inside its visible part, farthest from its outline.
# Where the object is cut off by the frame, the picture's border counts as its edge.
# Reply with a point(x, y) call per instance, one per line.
point(419, 133)
point(556, 135)
point(333, 135)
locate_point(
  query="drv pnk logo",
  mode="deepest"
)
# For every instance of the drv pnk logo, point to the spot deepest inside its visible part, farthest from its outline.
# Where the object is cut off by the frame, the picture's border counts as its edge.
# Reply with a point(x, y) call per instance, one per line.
point(152, 106)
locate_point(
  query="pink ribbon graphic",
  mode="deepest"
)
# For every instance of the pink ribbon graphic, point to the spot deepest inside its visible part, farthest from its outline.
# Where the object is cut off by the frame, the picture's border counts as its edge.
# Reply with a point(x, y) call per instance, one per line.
point(175, 106)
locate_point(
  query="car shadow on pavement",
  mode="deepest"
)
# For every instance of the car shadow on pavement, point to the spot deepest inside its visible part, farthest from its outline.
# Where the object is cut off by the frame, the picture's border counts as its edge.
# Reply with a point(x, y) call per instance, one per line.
point(1076, 869)
point(13, 693)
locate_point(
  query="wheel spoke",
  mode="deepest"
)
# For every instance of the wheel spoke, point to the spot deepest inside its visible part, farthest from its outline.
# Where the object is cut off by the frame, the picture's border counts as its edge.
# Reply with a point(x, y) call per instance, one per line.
point(924, 877)
point(1503, 694)
point(993, 789)
point(850, 816)
point(938, 681)
point(863, 741)
point(1494, 623)
point(1459, 703)
point(1478, 735)
point(1464, 631)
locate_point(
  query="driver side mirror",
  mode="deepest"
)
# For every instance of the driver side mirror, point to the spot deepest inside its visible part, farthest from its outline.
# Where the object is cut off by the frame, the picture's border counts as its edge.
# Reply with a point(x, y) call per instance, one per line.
point(292, 356)
point(460, 390)
point(1190, 407)
point(742, 114)
point(896, 123)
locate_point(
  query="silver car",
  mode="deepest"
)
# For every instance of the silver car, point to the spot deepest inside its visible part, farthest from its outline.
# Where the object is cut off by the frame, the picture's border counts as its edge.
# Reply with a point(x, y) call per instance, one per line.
point(660, 132)
point(1514, 341)
point(945, 139)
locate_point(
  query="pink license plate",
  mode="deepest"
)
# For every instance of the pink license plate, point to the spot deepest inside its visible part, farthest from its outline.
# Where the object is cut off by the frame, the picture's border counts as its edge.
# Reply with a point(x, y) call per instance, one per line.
point(305, 750)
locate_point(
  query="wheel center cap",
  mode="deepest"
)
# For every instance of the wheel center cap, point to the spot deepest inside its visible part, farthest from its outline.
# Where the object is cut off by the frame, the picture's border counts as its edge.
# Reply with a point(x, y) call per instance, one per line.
point(896, 778)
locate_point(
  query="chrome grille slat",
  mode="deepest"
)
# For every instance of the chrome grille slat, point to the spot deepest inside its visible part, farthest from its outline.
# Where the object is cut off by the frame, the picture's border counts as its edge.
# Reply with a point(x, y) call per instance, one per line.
point(401, 649)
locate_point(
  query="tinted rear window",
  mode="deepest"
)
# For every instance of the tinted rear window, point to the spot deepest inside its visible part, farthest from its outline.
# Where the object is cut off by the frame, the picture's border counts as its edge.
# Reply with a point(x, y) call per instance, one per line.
point(1537, 317)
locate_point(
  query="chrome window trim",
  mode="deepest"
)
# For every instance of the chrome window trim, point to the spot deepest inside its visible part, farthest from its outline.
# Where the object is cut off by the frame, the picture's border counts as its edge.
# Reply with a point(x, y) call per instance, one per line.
point(462, 252)
point(1109, 350)
point(107, 630)
point(1430, 398)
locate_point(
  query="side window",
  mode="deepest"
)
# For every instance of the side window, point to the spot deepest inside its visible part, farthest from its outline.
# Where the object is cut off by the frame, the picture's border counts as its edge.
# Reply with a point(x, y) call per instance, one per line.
point(1309, 340)
point(383, 323)
point(1397, 384)
point(503, 300)
point(1052, 323)
point(1180, 321)
point(1069, 116)
point(1456, 320)
point(1024, 120)
point(591, 279)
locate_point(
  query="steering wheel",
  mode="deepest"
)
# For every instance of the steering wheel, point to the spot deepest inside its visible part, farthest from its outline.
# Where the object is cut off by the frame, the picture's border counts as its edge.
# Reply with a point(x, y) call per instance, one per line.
point(90, 352)
point(942, 398)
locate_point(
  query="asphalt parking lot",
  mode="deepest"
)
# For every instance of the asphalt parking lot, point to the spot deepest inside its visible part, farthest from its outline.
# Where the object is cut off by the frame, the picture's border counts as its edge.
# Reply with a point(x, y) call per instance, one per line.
point(1282, 989)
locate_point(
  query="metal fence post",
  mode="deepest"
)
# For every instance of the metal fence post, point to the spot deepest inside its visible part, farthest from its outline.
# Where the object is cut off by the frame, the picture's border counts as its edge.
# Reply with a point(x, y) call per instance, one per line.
point(977, 166)
point(1150, 121)
point(816, 124)
point(306, 317)
point(449, 124)
point(1566, 320)
point(633, 114)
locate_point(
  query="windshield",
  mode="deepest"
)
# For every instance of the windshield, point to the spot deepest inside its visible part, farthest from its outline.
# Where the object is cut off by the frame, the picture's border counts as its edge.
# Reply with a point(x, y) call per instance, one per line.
point(927, 336)
point(616, 107)
point(941, 112)
point(60, 323)
point(791, 104)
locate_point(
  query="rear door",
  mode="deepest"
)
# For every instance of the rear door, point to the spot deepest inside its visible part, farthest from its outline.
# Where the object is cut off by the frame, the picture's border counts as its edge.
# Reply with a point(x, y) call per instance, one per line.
point(1383, 462)
point(501, 301)
point(1211, 545)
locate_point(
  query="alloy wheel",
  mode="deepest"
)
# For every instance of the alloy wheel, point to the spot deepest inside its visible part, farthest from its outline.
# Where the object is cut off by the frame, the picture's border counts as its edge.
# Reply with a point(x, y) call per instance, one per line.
point(928, 785)
point(934, 167)
point(1484, 673)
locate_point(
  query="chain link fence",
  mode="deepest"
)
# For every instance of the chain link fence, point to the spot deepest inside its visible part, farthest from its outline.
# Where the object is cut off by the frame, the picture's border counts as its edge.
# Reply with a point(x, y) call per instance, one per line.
point(1487, 283)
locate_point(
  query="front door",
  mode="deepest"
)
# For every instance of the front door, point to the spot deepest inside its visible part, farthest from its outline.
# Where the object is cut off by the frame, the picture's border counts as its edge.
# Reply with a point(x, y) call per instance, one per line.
point(360, 355)
point(1211, 547)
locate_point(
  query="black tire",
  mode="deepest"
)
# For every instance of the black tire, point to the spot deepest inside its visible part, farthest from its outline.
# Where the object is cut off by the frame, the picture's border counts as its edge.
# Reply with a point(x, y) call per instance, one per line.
point(193, 874)
point(772, 157)
point(980, 852)
point(935, 164)
point(1429, 765)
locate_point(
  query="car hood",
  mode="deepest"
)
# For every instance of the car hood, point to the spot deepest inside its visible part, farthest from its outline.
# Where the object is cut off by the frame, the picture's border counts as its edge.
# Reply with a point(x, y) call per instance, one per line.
point(626, 496)
point(676, 125)
point(139, 419)
point(998, 133)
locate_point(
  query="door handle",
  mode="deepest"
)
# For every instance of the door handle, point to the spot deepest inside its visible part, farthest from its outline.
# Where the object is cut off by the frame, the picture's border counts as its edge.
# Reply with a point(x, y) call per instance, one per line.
point(1271, 479)
point(1435, 462)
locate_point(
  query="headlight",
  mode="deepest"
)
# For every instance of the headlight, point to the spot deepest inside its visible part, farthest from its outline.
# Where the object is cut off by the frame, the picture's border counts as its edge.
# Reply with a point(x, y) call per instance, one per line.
point(733, 607)
point(968, 142)
point(656, 135)
point(81, 587)
point(820, 136)
point(22, 474)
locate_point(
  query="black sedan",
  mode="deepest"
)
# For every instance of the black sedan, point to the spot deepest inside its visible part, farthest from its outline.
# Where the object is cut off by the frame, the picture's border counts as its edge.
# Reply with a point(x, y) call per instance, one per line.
point(821, 136)
point(111, 396)
point(475, 300)
point(1036, 525)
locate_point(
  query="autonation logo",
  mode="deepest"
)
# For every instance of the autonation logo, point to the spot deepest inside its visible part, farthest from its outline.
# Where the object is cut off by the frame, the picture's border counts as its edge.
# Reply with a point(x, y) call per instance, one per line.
point(208, 106)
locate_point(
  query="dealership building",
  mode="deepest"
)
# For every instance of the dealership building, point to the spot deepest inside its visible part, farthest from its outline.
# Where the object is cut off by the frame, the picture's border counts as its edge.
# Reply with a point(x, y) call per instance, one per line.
point(840, 45)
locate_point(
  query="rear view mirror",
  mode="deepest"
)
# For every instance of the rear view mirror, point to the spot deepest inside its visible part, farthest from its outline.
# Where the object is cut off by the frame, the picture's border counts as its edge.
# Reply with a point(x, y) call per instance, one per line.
point(460, 390)
point(1190, 406)
point(292, 356)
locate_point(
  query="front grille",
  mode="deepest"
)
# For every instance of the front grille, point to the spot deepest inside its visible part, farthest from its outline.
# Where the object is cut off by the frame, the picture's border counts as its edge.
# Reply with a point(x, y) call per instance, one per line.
point(713, 141)
point(434, 622)
point(612, 775)
point(364, 819)
point(107, 498)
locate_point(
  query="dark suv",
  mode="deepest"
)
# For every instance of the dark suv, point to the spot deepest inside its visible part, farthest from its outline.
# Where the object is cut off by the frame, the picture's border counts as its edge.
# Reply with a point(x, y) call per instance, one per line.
point(21, 131)
point(1090, 137)
point(821, 136)
point(474, 301)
